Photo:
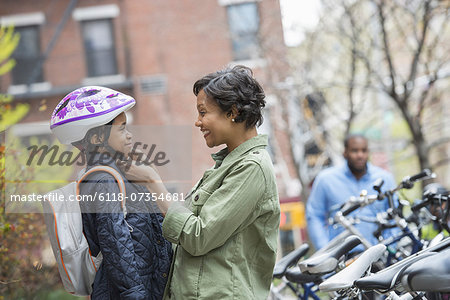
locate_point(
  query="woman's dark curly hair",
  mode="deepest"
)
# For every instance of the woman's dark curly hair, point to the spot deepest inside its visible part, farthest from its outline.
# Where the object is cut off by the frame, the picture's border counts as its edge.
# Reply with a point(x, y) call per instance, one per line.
point(235, 87)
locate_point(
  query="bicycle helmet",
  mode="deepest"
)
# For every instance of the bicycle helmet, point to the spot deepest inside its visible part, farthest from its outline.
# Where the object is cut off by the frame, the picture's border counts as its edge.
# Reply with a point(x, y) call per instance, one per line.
point(85, 108)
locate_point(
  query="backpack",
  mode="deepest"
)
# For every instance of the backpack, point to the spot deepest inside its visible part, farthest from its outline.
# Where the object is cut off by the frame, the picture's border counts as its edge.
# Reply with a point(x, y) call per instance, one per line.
point(77, 267)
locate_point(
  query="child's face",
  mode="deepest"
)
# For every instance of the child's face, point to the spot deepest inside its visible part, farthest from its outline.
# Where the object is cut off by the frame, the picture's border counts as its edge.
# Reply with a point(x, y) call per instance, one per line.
point(120, 137)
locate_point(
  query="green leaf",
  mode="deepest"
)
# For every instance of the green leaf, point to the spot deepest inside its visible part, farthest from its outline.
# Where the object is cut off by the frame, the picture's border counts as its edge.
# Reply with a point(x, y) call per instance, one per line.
point(14, 115)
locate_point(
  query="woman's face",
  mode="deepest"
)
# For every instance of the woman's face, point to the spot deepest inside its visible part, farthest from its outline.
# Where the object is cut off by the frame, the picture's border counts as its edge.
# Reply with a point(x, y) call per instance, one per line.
point(215, 125)
point(120, 137)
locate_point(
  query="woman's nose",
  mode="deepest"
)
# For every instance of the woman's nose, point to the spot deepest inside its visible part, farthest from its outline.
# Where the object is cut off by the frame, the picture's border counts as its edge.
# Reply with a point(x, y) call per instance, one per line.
point(198, 123)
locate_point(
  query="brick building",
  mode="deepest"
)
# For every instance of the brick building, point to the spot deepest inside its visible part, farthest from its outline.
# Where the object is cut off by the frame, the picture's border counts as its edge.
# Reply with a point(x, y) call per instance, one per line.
point(153, 50)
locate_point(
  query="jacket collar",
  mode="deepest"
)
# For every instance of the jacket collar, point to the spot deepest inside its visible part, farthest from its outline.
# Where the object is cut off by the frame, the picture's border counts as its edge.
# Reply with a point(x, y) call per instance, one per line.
point(349, 173)
point(103, 159)
point(259, 141)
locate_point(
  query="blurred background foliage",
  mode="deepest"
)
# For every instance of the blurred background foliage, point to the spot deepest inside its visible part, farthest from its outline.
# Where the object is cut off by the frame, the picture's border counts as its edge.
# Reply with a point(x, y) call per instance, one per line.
point(27, 264)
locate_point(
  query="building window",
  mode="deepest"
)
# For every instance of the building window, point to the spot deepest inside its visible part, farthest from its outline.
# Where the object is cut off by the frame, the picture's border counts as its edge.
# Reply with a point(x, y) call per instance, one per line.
point(243, 20)
point(99, 47)
point(27, 55)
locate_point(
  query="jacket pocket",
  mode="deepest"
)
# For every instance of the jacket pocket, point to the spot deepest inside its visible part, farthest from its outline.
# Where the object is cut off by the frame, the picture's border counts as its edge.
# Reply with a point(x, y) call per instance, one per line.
point(199, 198)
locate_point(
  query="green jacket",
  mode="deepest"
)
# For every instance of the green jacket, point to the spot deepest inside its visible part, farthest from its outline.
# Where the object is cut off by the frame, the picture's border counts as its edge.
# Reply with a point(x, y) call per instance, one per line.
point(226, 233)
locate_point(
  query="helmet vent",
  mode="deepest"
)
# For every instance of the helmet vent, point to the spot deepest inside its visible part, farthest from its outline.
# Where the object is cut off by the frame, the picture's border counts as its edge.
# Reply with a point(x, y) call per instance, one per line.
point(62, 106)
point(89, 93)
point(112, 95)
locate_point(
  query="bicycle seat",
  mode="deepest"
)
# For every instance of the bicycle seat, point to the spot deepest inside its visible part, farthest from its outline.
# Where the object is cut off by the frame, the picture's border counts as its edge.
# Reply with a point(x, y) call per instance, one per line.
point(429, 274)
point(386, 279)
point(328, 261)
point(289, 260)
point(295, 275)
point(346, 277)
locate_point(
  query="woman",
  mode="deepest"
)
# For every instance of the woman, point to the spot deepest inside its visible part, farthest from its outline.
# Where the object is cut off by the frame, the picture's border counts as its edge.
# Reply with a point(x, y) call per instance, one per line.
point(226, 233)
point(136, 258)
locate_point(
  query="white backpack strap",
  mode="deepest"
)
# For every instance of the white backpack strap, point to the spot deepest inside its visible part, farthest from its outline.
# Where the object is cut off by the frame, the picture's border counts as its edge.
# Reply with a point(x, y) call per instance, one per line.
point(116, 176)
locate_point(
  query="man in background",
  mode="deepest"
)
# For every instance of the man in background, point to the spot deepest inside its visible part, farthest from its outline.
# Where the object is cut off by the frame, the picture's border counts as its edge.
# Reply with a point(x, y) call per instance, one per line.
point(335, 186)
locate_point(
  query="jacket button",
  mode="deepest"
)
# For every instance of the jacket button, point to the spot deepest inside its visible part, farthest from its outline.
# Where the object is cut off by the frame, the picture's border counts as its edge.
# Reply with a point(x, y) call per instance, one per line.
point(158, 242)
point(196, 198)
point(164, 275)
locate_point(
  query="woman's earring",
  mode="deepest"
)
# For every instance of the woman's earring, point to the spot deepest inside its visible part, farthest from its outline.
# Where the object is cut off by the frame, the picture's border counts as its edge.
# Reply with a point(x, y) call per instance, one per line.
point(232, 120)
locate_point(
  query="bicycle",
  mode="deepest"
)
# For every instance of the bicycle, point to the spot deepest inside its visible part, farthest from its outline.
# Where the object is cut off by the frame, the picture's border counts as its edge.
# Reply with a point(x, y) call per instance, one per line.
point(411, 274)
point(304, 281)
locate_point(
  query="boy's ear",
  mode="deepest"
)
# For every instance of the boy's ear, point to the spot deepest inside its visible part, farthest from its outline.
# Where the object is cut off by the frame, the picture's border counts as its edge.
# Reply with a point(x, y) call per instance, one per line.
point(96, 139)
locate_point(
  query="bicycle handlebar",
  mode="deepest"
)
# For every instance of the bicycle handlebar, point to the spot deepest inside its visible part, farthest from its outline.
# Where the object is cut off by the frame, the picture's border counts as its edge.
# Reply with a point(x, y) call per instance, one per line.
point(430, 197)
point(378, 184)
point(421, 175)
point(352, 207)
point(417, 207)
point(408, 181)
point(356, 202)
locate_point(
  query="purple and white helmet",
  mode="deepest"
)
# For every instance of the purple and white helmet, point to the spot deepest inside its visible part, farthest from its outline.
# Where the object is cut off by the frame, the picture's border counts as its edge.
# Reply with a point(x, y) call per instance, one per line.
point(85, 108)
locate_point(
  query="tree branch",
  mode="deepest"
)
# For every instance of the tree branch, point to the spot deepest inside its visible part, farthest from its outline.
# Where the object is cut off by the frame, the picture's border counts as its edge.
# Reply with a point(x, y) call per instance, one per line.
point(441, 162)
point(409, 85)
point(424, 96)
point(439, 142)
point(387, 51)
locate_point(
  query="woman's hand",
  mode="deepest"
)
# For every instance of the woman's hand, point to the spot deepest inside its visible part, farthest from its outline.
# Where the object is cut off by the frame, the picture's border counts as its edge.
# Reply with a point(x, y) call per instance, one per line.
point(136, 171)
point(138, 156)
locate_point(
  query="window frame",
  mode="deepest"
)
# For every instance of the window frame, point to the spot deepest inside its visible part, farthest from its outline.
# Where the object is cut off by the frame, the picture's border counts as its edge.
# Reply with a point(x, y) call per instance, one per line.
point(25, 59)
point(100, 12)
point(91, 71)
point(245, 54)
point(25, 20)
